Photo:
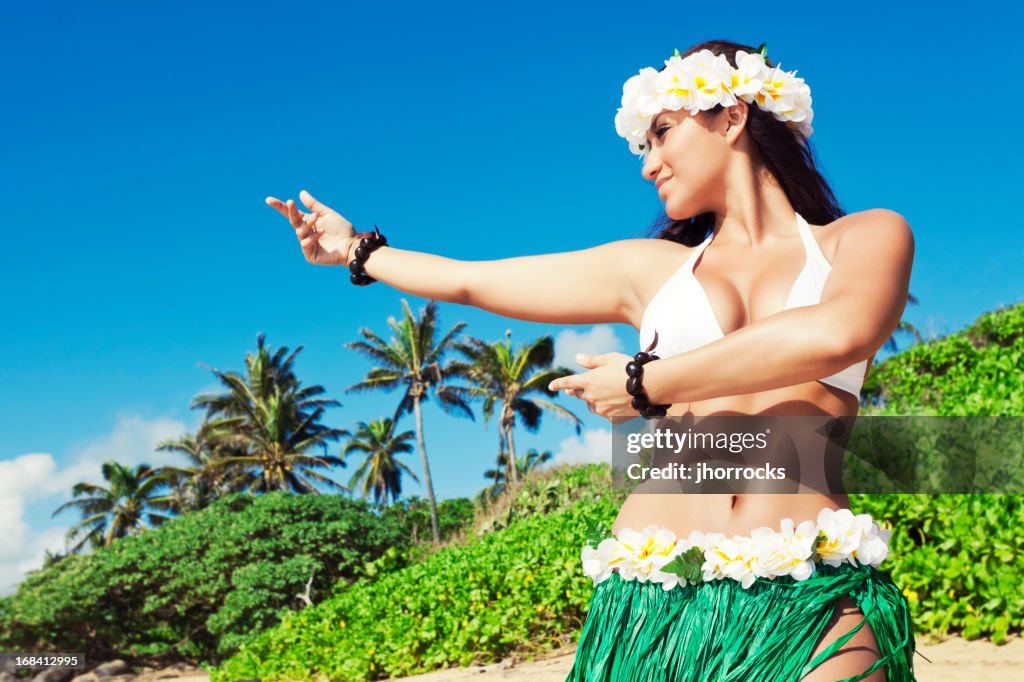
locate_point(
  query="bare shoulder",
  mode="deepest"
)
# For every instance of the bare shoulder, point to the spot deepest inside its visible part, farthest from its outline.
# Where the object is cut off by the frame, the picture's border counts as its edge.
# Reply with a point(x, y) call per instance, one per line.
point(876, 230)
point(881, 228)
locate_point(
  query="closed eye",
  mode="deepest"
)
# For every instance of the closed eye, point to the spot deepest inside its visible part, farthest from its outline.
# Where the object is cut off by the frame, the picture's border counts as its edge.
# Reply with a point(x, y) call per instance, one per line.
point(659, 133)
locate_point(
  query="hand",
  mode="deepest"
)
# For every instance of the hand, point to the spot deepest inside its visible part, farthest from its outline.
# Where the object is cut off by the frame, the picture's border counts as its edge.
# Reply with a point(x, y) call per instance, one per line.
point(603, 387)
point(324, 235)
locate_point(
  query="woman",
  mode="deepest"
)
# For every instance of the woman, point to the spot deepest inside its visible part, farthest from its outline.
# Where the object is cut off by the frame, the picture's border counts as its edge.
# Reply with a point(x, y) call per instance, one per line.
point(758, 298)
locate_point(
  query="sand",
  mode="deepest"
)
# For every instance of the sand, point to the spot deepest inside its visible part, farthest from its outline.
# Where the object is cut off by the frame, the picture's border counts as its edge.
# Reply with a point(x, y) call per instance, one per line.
point(954, 659)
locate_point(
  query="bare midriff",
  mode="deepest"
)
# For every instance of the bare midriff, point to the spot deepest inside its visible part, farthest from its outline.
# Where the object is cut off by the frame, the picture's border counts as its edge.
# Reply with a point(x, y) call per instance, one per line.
point(739, 514)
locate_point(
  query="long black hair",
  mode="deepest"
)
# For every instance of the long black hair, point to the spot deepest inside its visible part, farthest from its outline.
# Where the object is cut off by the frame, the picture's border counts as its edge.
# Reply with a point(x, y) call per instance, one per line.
point(785, 153)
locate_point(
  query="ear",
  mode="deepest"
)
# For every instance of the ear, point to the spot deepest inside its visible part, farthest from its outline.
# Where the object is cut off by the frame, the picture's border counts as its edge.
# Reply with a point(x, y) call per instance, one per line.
point(735, 120)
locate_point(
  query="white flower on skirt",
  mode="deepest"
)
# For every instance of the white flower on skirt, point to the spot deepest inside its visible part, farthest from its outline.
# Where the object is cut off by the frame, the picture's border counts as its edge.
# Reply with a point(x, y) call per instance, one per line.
point(874, 544)
point(843, 532)
point(784, 553)
point(643, 553)
point(731, 558)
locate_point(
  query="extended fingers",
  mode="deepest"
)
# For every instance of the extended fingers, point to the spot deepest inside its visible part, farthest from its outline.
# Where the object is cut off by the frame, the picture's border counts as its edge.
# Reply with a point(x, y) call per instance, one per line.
point(278, 205)
point(571, 381)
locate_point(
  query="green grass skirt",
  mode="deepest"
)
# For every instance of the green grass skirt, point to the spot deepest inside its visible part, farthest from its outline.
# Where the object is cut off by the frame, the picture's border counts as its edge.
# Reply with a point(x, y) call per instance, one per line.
point(718, 631)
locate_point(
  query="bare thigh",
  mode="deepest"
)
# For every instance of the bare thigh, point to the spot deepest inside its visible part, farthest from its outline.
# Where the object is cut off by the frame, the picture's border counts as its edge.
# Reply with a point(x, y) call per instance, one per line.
point(856, 656)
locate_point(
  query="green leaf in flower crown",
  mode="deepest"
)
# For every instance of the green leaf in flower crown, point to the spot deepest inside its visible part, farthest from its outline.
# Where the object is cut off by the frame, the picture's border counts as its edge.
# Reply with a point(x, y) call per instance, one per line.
point(675, 53)
point(687, 565)
point(595, 532)
point(819, 540)
point(763, 49)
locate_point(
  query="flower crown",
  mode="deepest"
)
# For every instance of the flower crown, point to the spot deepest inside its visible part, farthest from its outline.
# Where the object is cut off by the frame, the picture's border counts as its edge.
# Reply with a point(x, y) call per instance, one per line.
point(703, 80)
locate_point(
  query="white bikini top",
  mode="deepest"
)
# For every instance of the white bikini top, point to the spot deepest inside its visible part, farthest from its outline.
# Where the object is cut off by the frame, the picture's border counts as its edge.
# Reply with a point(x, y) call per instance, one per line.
point(684, 319)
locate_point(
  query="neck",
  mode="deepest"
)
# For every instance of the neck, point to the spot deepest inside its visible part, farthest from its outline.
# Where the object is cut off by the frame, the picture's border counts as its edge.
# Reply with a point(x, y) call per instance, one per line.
point(755, 210)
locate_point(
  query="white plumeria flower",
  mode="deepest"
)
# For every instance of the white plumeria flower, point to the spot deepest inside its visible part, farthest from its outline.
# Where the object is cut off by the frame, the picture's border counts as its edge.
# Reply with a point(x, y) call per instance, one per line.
point(785, 95)
point(749, 75)
point(731, 558)
point(712, 78)
point(842, 536)
point(645, 551)
point(785, 553)
point(639, 106)
point(674, 85)
point(595, 564)
point(874, 544)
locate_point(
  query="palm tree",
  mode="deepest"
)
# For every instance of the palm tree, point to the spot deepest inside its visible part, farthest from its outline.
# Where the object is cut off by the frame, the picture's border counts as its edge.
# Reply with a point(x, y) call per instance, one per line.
point(276, 423)
point(117, 510)
point(413, 358)
point(380, 472)
point(524, 465)
point(506, 376)
point(209, 475)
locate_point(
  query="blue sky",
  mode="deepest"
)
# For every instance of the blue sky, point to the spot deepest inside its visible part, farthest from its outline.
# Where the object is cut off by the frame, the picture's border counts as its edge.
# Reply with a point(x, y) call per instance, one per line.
point(141, 140)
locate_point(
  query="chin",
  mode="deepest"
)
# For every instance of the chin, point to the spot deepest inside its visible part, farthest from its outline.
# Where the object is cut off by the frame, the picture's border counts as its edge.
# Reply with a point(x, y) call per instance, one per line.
point(675, 213)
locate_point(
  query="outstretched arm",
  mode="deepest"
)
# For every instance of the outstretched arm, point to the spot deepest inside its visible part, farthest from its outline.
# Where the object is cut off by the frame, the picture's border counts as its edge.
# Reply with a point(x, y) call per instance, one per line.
point(859, 309)
point(577, 287)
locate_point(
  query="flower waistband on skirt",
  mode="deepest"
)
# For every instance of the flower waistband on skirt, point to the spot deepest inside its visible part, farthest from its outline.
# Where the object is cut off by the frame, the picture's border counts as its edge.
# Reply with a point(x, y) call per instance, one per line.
point(655, 554)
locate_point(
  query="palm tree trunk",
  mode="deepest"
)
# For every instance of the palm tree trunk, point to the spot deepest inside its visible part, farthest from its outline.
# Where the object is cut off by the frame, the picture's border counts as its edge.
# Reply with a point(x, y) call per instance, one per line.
point(513, 466)
point(426, 472)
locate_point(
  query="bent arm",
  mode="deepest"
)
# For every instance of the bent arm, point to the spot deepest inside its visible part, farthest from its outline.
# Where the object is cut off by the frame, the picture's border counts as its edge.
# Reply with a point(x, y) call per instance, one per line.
point(576, 287)
point(860, 307)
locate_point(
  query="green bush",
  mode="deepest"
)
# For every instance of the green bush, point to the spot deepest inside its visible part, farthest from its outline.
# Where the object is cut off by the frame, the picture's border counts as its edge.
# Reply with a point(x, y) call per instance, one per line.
point(200, 584)
point(958, 558)
point(520, 588)
point(978, 371)
point(413, 514)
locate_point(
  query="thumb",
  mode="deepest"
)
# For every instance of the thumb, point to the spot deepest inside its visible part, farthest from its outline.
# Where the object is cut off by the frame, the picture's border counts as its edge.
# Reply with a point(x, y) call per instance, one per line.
point(585, 359)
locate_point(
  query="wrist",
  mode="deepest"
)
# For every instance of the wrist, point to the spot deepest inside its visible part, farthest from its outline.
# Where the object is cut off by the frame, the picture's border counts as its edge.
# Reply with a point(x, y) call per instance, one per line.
point(634, 387)
point(360, 251)
point(349, 249)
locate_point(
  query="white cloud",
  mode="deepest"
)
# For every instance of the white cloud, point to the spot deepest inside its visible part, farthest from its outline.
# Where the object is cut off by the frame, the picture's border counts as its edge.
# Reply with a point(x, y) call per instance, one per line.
point(600, 339)
point(593, 446)
point(33, 484)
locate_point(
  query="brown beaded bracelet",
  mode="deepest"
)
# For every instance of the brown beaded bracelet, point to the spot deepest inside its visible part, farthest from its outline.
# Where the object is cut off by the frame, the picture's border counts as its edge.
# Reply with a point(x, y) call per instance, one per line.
point(635, 371)
point(367, 245)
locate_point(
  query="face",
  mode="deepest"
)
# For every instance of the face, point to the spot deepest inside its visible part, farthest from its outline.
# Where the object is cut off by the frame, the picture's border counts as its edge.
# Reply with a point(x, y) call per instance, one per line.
point(689, 155)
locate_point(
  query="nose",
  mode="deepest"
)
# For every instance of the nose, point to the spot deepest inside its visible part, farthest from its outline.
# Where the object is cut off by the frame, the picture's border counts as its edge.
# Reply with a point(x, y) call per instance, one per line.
point(652, 164)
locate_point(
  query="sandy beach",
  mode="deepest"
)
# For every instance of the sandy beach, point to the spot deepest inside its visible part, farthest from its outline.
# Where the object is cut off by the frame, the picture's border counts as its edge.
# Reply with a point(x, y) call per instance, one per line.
point(952, 660)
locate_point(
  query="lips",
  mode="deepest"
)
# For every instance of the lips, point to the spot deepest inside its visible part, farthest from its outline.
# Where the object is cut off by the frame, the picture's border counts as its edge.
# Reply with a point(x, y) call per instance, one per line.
point(661, 182)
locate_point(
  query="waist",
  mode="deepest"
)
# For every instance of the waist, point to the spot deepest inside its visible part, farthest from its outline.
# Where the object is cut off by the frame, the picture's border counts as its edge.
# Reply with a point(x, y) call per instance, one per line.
point(835, 537)
point(731, 514)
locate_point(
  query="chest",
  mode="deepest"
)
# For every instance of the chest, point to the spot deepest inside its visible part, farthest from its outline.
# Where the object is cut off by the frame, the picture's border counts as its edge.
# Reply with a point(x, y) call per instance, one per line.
point(717, 290)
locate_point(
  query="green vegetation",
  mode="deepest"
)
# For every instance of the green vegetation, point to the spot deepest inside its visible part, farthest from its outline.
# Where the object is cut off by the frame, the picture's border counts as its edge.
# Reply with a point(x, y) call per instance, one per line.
point(200, 584)
point(518, 589)
point(978, 371)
